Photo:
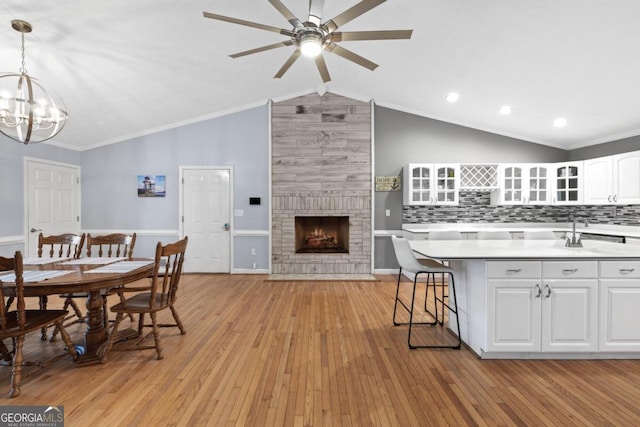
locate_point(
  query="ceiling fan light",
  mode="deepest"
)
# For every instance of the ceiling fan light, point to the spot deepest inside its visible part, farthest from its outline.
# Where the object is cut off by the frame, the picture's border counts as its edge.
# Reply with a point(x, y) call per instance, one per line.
point(311, 45)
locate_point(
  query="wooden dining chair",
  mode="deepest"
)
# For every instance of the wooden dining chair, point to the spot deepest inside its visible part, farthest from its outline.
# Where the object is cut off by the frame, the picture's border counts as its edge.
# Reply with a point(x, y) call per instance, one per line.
point(161, 296)
point(67, 245)
point(16, 324)
point(109, 246)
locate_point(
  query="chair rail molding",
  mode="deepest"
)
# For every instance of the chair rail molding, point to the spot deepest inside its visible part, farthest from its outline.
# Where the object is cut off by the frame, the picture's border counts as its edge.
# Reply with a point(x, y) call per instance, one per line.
point(12, 240)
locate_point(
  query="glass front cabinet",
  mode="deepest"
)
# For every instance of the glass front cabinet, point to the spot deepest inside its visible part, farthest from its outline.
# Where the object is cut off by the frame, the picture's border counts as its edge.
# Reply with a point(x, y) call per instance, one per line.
point(525, 184)
point(431, 184)
point(568, 183)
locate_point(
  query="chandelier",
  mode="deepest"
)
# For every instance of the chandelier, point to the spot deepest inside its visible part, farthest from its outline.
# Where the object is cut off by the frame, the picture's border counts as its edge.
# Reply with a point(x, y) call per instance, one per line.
point(28, 112)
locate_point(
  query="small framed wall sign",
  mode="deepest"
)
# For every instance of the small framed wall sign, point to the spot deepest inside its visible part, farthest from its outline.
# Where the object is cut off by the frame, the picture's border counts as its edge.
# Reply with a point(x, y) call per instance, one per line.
point(388, 183)
point(151, 185)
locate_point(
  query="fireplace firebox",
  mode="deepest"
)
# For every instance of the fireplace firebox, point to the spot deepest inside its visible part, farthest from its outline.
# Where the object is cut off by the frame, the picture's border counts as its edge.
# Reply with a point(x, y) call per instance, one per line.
point(322, 234)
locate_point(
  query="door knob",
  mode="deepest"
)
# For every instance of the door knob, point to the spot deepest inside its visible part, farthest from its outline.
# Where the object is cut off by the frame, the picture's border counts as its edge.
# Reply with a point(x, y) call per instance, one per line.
point(226, 227)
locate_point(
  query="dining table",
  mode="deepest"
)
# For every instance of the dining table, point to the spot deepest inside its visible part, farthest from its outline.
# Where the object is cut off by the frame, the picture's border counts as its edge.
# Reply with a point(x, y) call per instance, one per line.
point(91, 275)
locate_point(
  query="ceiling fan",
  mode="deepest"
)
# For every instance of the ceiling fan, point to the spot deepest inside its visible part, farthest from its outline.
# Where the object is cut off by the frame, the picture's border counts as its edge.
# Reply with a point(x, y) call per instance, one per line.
point(312, 36)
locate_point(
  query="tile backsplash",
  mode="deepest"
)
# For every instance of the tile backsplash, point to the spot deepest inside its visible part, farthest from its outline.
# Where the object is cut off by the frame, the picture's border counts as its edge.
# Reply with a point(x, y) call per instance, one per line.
point(475, 206)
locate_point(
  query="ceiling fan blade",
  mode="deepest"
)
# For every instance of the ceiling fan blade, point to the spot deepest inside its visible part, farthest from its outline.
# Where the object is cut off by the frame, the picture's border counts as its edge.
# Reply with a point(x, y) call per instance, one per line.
point(322, 68)
point(247, 23)
point(370, 35)
point(289, 16)
point(353, 57)
point(315, 11)
point(262, 49)
point(351, 14)
point(287, 64)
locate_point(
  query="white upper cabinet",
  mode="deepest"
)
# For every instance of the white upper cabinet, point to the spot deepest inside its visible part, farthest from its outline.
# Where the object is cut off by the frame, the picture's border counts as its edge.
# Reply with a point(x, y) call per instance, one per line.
point(568, 183)
point(525, 184)
point(613, 179)
point(431, 184)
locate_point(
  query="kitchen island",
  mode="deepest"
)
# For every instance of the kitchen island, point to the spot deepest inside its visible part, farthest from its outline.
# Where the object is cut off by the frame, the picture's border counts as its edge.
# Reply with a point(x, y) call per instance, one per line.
point(540, 299)
point(470, 230)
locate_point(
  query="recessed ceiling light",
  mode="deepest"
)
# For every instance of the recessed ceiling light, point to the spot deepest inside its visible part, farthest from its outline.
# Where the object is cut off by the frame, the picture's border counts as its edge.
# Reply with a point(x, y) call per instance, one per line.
point(505, 110)
point(453, 97)
point(560, 122)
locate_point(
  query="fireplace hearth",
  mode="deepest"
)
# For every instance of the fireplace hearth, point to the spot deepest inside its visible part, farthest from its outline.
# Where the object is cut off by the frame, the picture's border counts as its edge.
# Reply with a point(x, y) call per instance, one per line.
point(322, 234)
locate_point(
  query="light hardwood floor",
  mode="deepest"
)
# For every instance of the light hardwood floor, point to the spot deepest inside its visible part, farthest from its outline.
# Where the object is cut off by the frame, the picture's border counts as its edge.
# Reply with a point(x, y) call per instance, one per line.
point(318, 353)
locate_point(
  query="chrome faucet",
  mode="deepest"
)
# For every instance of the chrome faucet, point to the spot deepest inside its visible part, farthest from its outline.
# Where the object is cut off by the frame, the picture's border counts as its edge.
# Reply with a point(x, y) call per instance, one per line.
point(573, 242)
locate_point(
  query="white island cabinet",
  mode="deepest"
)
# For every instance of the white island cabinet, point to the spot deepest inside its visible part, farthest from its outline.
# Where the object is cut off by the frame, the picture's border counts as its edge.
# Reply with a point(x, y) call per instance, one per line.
point(620, 306)
point(542, 306)
point(538, 299)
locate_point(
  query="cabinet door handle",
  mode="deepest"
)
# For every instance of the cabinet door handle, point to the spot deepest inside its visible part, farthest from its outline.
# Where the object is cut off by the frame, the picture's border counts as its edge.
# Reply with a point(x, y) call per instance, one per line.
point(569, 270)
point(609, 198)
point(615, 198)
point(514, 270)
point(627, 270)
point(548, 288)
point(539, 291)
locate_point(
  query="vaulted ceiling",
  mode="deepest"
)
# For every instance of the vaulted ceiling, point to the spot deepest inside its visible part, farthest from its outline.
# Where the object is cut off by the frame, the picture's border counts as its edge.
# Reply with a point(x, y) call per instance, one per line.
point(127, 68)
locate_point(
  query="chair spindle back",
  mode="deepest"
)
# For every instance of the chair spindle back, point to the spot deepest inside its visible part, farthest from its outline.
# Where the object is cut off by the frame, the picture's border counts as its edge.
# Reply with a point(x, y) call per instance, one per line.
point(15, 264)
point(60, 246)
point(167, 272)
point(111, 245)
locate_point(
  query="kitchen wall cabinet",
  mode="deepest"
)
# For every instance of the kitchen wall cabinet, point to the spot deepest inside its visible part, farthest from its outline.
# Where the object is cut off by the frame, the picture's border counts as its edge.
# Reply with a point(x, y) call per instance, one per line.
point(548, 306)
point(525, 184)
point(612, 179)
point(431, 184)
point(568, 183)
point(619, 306)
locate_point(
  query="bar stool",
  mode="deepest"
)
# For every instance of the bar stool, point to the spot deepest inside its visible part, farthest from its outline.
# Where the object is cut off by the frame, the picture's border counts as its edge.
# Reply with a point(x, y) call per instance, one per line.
point(409, 263)
point(539, 235)
point(440, 235)
point(494, 235)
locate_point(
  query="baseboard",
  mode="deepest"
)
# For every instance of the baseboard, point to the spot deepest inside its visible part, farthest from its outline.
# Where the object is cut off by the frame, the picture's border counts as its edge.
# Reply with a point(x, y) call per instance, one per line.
point(249, 271)
point(393, 271)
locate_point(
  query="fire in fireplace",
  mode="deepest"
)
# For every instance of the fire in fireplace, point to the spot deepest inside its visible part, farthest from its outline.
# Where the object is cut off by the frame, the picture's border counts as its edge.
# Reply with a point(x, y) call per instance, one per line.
point(322, 234)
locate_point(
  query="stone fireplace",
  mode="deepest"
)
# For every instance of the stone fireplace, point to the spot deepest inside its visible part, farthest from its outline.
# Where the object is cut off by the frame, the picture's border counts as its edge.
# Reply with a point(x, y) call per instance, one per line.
point(322, 234)
point(321, 167)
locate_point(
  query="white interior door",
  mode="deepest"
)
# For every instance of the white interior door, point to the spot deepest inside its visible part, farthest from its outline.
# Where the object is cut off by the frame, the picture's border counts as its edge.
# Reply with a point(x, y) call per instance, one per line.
point(207, 219)
point(53, 200)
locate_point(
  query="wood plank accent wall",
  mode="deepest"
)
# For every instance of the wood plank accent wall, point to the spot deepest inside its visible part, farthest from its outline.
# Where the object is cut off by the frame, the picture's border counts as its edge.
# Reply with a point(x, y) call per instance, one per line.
point(321, 165)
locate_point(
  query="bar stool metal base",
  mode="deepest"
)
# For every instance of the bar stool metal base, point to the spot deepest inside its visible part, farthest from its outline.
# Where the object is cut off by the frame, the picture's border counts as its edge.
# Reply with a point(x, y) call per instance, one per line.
point(431, 282)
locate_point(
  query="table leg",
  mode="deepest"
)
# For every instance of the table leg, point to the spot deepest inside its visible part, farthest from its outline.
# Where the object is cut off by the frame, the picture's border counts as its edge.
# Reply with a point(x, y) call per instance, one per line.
point(96, 334)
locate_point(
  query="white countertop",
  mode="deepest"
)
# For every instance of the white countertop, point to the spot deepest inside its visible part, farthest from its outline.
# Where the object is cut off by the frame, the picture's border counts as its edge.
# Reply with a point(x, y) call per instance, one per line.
point(522, 249)
point(616, 230)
